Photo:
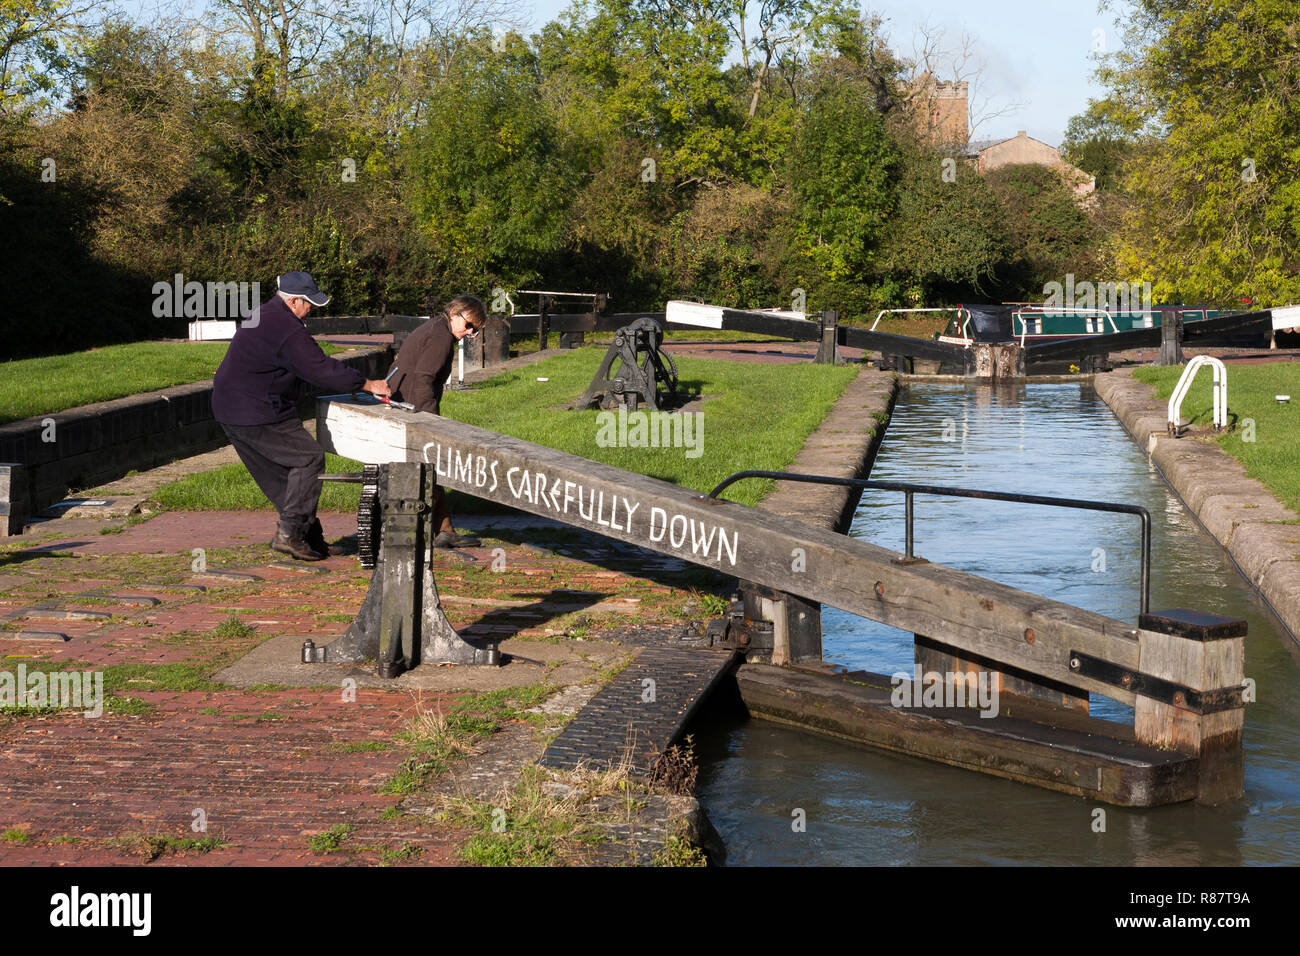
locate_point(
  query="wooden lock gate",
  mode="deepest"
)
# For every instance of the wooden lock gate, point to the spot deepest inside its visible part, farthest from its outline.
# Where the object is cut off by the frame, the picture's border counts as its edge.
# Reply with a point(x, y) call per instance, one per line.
point(1181, 671)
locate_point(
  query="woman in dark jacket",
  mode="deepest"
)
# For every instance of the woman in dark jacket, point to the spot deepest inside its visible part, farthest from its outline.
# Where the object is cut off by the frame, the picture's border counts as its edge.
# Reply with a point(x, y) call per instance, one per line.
point(421, 371)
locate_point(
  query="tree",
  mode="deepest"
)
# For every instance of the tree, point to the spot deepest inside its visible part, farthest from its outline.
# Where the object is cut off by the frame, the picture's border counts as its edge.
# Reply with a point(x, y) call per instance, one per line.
point(841, 173)
point(1214, 193)
point(1098, 141)
point(493, 177)
point(1050, 234)
point(939, 56)
point(946, 240)
point(654, 69)
point(35, 36)
point(288, 36)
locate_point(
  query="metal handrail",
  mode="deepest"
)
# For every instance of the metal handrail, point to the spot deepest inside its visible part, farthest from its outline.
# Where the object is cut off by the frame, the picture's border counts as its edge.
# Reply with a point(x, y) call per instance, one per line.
point(1219, 387)
point(909, 489)
point(1044, 309)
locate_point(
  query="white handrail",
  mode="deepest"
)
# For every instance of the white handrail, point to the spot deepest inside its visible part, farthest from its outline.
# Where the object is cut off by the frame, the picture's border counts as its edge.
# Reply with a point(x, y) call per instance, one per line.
point(1219, 388)
point(1045, 309)
point(958, 309)
point(883, 312)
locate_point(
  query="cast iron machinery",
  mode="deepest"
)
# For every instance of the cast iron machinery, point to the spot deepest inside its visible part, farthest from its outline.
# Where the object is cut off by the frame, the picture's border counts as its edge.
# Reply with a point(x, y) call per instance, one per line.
point(401, 623)
point(646, 372)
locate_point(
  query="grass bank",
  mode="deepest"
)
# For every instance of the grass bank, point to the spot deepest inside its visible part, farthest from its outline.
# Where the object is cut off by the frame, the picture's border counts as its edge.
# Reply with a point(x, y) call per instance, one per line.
point(1262, 434)
point(756, 416)
point(40, 386)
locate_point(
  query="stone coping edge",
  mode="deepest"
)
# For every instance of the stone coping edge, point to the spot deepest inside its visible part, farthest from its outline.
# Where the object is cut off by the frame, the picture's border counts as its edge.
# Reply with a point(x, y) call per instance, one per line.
point(844, 445)
point(1238, 511)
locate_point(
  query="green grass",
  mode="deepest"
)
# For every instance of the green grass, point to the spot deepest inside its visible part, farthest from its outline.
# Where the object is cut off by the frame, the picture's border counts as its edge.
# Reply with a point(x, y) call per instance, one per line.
point(439, 739)
point(15, 835)
point(119, 678)
point(39, 386)
point(153, 847)
point(1274, 456)
point(232, 626)
point(759, 419)
point(358, 746)
point(231, 488)
point(331, 841)
point(527, 826)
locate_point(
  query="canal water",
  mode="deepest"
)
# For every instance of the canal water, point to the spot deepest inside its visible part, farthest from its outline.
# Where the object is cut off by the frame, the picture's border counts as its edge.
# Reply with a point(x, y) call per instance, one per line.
point(783, 797)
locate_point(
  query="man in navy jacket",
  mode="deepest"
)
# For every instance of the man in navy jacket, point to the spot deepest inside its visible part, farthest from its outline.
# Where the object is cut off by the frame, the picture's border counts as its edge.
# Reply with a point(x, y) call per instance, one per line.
point(255, 398)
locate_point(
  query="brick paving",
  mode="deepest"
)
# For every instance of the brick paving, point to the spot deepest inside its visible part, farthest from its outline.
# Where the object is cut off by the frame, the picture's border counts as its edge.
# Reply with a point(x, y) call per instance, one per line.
point(270, 767)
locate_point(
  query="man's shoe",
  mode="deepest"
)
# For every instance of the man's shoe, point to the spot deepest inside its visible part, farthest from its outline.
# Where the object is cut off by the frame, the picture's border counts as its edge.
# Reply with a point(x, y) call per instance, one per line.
point(297, 547)
point(450, 539)
point(316, 540)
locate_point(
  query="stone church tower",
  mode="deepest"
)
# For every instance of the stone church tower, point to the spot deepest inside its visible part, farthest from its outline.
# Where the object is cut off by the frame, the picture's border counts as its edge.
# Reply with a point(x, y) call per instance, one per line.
point(943, 106)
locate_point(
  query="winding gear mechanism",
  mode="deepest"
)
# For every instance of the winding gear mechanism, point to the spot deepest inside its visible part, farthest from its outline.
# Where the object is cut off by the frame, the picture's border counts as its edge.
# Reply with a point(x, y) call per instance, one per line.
point(646, 372)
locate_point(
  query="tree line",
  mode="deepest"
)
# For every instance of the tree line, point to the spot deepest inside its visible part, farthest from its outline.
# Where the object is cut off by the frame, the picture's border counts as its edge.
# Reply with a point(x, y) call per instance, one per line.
point(404, 151)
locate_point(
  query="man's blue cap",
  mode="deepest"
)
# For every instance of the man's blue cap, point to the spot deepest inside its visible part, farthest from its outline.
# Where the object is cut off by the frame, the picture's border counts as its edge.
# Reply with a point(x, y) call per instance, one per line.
point(302, 284)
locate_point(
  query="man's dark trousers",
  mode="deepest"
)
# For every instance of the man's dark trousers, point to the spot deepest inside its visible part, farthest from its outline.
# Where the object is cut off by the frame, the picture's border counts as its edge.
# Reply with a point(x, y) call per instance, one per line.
point(286, 463)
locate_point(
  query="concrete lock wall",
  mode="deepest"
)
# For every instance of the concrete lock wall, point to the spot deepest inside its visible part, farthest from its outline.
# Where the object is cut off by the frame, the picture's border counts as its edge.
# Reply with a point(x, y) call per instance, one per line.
point(41, 459)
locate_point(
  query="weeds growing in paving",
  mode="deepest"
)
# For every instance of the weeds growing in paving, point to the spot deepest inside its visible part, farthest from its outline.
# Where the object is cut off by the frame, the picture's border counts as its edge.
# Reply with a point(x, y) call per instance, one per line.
point(406, 853)
point(437, 739)
point(539, 822)
point(153, 847)
point(678, 851)
point(554, 818)
point(331, 841)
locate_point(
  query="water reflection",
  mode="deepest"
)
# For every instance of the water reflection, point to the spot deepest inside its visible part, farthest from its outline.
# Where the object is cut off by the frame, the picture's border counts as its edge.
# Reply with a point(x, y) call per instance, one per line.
point(869, 808)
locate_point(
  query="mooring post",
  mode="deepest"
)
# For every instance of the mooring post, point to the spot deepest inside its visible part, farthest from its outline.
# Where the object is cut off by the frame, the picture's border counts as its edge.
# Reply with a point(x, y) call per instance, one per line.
point(494, 343)
point(1191, 670)
point(890, 362)
point(1009, 362)
point(1171, 338)
point(828, 350)
point(543, 322)
point(13, 499)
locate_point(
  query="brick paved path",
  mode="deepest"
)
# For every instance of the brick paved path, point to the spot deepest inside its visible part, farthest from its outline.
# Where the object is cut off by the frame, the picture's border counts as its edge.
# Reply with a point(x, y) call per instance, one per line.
point(270, 767)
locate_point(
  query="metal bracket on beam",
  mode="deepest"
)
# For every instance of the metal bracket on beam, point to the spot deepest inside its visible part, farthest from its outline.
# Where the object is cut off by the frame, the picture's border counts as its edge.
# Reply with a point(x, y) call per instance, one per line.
point(1156, 688)
point(733, 633)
